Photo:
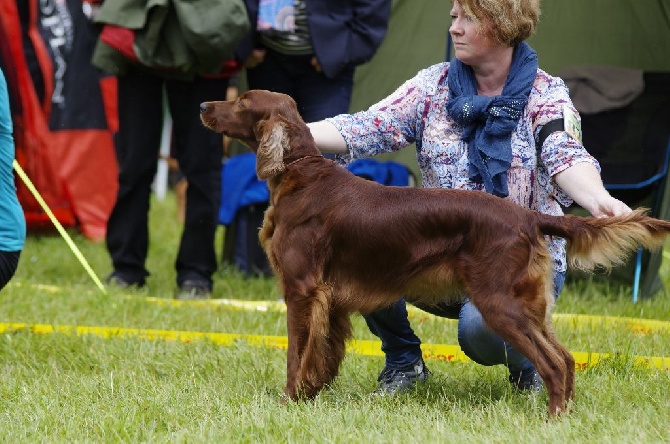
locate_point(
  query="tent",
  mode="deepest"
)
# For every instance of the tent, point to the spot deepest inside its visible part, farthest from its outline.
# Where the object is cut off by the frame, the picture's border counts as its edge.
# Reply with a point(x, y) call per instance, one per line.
point(63, 111)
point(620, 33)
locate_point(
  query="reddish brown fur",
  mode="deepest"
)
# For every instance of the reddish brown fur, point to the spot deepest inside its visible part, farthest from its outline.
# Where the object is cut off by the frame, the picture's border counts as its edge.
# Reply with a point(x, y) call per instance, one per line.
point(340, 244)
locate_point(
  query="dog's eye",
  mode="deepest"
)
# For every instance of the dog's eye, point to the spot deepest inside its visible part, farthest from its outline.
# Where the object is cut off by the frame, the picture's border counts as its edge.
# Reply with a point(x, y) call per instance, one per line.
point(241, 103)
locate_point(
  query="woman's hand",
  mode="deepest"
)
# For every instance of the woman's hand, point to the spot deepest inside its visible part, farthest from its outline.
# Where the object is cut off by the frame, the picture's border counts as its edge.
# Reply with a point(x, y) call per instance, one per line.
point(583, 184)
point(255, 58)
point(609, 206)
point(315, 63)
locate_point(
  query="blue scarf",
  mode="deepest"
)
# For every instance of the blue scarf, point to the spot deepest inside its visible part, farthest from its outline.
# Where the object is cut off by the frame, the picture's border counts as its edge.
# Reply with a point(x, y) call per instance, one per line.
point(488, 122)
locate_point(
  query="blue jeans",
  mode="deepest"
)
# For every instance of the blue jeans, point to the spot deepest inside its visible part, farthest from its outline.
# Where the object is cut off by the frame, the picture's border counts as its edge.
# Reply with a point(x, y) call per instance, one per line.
point(402, 347)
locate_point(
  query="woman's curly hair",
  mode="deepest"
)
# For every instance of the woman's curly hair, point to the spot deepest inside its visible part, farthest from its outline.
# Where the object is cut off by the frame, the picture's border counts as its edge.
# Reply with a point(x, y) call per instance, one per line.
point(512, 21)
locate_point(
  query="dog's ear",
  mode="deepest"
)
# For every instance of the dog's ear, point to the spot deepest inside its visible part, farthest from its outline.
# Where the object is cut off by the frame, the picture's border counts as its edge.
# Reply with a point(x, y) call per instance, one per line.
point(272, 144)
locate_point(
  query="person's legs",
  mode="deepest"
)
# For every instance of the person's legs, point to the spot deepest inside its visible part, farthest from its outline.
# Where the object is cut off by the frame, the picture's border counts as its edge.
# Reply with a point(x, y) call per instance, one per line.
point(274, 74)
point(199, 152)
point(483, 346)
point(399, 343)
point(404, 363)
point(137, 144)
point(320, 97)
point(9, 261)
point(317, 96)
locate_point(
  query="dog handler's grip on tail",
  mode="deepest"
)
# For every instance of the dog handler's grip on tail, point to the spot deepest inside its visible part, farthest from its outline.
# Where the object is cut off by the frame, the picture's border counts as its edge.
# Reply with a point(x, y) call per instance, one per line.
point(583, 183)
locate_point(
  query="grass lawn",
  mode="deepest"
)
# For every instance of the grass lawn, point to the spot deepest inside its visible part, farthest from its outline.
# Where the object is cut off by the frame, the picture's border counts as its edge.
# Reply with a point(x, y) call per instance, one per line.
point(126, 376)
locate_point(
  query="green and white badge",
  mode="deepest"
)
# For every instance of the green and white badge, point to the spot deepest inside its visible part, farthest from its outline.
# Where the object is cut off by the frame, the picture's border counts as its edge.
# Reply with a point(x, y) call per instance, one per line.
point(572, 124)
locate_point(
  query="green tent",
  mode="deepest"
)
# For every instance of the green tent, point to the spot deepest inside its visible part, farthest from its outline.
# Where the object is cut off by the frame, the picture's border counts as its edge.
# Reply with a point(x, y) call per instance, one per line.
point(628, 33)
point(622, 33)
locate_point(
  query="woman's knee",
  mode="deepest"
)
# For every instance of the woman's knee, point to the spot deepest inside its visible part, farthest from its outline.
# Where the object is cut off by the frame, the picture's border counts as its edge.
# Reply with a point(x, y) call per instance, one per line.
point(477, 340)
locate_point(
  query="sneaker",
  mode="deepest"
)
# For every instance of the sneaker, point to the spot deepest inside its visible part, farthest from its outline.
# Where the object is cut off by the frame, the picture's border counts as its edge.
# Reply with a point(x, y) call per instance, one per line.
point(119, 281)
point(531, 382)
point(194, 289)
point(392, 381)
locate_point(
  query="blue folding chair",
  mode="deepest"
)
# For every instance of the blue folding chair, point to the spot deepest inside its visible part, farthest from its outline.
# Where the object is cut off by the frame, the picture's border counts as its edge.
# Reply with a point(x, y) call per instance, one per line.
point(632, 144)
point(656, 182)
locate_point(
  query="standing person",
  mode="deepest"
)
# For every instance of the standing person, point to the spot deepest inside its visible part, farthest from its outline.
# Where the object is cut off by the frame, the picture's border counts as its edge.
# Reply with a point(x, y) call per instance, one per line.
point(489, 120)
point(309, 49)
point(198, 151)
point(12, 220)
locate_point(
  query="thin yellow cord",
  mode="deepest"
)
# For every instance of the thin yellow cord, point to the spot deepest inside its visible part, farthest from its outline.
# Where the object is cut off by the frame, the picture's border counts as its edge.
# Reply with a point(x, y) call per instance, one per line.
point(26, 180)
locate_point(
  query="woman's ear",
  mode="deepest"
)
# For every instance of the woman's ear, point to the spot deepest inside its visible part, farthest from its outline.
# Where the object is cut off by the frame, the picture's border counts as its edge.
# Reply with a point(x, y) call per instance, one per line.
point(272, 144)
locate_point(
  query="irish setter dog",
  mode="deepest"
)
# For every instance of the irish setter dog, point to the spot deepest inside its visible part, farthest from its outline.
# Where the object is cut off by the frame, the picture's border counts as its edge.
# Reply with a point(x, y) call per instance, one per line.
point(341, 244)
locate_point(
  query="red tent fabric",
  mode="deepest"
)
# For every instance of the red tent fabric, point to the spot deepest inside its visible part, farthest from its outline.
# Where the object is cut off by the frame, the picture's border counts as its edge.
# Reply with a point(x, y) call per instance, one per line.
point(64, 113)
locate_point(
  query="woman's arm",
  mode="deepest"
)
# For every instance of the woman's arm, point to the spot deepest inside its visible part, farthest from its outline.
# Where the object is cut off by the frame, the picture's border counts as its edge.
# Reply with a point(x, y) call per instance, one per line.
point(328, 139)
point(583, 184)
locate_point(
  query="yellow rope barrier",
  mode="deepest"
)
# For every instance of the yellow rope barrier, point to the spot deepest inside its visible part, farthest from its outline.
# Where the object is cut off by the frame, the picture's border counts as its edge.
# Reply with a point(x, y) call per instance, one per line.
point(26, 180)
point(635, 325)
point(439, 352)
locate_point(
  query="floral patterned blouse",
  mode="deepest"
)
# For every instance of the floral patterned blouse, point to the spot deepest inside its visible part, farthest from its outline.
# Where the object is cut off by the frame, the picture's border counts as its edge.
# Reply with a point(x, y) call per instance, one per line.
point(416, 113)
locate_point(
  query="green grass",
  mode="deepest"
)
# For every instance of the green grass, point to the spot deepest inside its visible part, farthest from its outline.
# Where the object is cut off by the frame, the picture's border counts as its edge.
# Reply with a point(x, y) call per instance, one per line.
point(85, 388)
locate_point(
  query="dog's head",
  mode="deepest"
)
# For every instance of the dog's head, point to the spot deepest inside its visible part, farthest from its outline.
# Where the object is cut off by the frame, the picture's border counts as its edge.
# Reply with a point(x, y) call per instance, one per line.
point(260, 119)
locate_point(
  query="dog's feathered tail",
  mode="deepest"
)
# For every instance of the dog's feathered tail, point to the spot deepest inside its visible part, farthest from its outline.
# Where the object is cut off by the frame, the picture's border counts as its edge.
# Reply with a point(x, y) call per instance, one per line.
point(605, 242)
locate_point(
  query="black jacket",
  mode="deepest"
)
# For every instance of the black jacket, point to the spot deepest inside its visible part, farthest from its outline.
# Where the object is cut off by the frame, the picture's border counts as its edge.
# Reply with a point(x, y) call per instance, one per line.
point(344, 32)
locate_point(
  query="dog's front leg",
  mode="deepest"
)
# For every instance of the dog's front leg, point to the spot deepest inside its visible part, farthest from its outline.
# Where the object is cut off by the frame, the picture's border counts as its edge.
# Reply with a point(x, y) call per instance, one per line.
point(267, 231)
point(297, 337)
point(315, 346)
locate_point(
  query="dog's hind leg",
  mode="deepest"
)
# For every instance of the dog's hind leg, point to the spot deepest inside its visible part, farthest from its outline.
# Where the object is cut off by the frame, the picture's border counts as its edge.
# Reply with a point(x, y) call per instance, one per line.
point(556, 371)
point(522, 324)
point(569, 366)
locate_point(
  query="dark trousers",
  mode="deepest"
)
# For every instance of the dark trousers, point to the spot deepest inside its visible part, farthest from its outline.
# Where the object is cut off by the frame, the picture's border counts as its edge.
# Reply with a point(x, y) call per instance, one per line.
point(317, 96)
point(9, 261)
point(198, 151)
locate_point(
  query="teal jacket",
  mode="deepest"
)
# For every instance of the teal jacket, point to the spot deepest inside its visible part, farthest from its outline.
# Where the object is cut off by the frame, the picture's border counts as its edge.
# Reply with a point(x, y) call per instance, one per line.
point(12, 220)
point(176, 38)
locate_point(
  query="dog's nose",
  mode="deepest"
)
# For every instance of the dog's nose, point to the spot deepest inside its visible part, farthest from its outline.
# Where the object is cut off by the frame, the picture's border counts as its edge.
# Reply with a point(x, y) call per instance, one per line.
point(203, 107)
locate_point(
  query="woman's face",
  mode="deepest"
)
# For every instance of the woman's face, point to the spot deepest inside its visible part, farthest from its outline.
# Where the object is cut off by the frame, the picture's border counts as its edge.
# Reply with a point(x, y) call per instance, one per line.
point(472, 42)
